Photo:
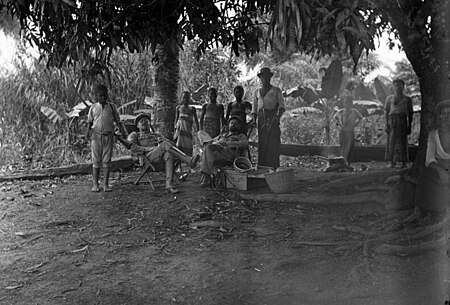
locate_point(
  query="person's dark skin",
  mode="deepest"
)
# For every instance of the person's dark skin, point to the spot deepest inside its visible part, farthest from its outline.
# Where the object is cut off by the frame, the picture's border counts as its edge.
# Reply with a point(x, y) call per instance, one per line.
point(212, 109)
point(101, 96)
point(238, 105)
point(398, 94)
point(184, 108)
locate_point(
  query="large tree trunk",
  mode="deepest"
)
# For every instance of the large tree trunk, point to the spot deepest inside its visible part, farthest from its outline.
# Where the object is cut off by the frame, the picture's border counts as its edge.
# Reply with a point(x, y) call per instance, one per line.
point(427, 53)
point(167, 71)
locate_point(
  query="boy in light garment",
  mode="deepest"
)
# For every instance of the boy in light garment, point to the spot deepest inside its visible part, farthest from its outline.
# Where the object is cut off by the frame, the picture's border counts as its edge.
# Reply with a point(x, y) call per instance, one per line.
point(102, 118)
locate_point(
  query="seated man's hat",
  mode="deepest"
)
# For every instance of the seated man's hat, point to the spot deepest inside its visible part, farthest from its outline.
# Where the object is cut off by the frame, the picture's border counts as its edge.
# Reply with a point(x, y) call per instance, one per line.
point(235, 117)
point(142, 115)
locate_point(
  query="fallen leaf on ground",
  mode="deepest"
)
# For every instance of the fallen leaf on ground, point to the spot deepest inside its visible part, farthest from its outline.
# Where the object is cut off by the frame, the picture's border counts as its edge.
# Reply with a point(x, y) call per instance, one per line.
point(13, 287)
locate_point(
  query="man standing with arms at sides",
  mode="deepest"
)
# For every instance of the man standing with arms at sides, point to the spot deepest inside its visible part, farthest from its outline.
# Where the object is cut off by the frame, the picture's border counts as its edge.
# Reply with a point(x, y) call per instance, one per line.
point(268, 107)
point(399, 115)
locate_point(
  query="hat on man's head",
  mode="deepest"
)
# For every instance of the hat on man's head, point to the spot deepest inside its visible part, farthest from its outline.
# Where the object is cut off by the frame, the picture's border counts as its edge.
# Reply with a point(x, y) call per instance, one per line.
point(141, 116)
point(235, 117)
point(441, 105)
point(266, 71)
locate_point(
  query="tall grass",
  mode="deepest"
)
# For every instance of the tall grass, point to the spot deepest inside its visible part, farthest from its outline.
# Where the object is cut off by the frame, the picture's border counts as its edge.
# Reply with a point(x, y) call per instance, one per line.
point(29, 139)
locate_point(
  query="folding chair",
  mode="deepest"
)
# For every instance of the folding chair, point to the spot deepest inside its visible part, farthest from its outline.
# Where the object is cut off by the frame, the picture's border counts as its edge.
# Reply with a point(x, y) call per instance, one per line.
point(148, 166)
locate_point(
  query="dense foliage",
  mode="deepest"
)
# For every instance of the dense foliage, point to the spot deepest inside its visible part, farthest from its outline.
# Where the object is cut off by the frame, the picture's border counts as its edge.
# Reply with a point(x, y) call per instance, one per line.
point(46, 142)
point(86, 33)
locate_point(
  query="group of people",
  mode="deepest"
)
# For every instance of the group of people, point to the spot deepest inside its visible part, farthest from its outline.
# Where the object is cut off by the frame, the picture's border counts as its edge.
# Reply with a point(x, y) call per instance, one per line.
point(399, 116)
point(223, 135)
point(225, 143)
point(432, 193)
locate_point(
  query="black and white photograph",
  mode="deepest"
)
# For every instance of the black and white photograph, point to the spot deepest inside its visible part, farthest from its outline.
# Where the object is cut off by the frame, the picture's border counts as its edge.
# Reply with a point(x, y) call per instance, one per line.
point(224, 152)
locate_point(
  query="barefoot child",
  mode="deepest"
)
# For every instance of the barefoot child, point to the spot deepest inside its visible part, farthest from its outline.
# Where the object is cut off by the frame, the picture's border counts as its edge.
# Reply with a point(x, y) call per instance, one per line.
point(101, 119)
point(348, 118)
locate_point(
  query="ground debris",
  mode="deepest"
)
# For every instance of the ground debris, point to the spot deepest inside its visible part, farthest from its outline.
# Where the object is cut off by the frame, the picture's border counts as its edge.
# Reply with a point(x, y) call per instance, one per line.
point(13, 287)
point(34, 268)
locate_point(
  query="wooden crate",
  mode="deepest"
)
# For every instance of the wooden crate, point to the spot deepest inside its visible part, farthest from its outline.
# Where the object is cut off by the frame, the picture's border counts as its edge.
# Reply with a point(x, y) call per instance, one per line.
point(244, 181)
point(236, 180)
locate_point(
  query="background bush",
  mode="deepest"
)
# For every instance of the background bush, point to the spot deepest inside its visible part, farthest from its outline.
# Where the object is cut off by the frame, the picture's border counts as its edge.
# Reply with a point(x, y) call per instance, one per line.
point(28, 138)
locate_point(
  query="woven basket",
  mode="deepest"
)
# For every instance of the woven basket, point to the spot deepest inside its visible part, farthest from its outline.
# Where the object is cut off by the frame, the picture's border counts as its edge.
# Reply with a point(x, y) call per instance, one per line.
point(281, 181)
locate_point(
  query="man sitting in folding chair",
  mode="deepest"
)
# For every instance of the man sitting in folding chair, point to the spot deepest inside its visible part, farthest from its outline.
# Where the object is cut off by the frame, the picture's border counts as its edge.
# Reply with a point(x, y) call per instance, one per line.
point(223, 149)
point(151, 147)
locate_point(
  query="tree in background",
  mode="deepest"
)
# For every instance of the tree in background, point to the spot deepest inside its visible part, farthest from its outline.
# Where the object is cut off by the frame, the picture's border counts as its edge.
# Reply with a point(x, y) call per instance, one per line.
point(216, 68)
point(421, 26)
point(86, 33)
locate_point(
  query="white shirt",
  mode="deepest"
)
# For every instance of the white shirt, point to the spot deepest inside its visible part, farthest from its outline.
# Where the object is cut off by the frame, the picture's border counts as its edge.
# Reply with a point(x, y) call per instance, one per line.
point(271, 101)
point(435, 149)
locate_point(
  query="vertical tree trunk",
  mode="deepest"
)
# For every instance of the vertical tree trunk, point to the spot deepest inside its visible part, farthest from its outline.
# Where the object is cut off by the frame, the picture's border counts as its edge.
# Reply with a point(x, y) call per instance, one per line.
point(167, 71)
point(429, 57)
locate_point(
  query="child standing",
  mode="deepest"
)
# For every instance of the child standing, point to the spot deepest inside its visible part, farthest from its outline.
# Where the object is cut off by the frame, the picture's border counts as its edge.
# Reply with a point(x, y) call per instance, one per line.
point(101, 119)
point(348, 118)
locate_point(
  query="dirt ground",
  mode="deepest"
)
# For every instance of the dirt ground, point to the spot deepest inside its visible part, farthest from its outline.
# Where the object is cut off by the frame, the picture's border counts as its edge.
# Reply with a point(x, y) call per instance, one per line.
point(62, 244)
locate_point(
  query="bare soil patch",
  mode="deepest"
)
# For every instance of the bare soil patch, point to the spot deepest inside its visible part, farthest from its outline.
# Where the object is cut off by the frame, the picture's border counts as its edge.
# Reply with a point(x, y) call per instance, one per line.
point(62, 244)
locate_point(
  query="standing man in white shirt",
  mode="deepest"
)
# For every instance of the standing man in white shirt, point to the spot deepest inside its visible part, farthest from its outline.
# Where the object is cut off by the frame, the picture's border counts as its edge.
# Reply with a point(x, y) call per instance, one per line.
point(267, 109)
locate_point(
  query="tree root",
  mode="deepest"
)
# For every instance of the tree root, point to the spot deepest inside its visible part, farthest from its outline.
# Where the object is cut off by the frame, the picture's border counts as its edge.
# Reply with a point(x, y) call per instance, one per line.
point(313, 198)
point(321, 243)
point(390, 249)
point(417, 233)
point(353, 229)
point(358, 179)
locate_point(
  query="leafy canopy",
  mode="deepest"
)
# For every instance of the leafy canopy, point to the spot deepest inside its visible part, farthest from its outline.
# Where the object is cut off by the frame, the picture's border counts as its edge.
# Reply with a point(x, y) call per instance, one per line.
point(87, 32)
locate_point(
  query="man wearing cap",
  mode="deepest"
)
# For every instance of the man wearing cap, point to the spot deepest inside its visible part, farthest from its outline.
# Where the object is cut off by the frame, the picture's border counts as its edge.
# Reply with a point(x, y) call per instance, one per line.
point(399, 115)
point(268, 107)
point(224, 148)
point(157, 148)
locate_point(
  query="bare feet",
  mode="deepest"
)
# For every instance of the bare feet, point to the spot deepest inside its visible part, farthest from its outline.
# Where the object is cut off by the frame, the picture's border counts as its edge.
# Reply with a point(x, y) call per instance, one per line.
point(172, 190)
point(95, 189)
point(107, 188)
